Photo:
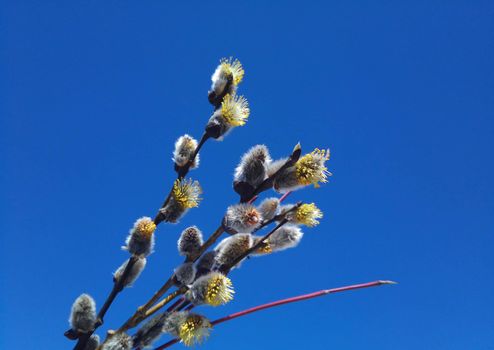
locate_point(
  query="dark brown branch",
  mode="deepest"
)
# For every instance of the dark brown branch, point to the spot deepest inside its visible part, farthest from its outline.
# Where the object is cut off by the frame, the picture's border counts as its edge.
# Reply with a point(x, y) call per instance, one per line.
point(118, 286)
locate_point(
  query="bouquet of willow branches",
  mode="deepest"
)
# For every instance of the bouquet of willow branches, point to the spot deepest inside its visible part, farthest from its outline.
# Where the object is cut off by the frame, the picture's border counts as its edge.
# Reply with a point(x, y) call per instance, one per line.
point(251, 230)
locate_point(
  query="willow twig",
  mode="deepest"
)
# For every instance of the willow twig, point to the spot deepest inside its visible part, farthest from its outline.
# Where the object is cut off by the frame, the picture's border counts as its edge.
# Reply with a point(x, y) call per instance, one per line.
point(119, 284)
point(283, 302)
point(141, 312)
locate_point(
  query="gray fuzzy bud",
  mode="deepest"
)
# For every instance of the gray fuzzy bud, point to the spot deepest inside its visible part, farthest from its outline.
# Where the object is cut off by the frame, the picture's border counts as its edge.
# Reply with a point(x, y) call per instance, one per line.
point(229, 249)
point(134, 273)
point(287, 236)
point(190, 241)
point(185, 147)
point(173, 211)
point(185, 273)
point(205, 263)
point(150, 331)
point(173, 321)
point(83, 314)
point(140, 241)
point(92, 342)
point(118, 341)
point(287, 180)
point(253, 166)
point(269, 208)
point(242, 218)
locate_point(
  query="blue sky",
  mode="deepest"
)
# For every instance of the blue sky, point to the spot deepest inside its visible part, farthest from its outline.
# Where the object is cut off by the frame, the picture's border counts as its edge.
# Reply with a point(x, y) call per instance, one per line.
point(94, 93)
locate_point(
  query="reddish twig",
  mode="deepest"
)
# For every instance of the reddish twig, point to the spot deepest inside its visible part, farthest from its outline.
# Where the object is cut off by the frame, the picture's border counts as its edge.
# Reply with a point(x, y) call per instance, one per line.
point(282, 198)
point(283, 302)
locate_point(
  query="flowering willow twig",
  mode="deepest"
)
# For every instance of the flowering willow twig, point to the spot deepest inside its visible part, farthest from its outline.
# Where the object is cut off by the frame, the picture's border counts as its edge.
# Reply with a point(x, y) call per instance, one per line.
point(142, 311)
point(119, 283)
point(285, 301)
point(224, 269)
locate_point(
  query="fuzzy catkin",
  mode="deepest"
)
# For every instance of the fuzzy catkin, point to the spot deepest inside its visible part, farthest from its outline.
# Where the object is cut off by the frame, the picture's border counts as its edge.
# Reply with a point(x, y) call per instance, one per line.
point(83, 314)
point(269, 208)
point(118, 341)
point(253, 166)
point(185, 147)
point(134, 273)
point(213, 289)
point(173, 321)
point(190, 241)
point(231, 248)
point(241, 218)
point(217, 126)
point(150, 331)
point(287, 236)
point(185, 273)
point(287, 180)
point(92, 342)
point(140, 241)
point(205, 263)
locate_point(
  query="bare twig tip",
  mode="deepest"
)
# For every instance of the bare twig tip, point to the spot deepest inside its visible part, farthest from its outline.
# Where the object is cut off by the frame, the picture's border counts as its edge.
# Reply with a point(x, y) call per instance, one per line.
point(388, 282)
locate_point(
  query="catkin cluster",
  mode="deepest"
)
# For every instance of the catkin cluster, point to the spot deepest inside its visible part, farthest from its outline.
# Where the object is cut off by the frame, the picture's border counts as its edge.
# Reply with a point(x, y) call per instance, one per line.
point(252, 229)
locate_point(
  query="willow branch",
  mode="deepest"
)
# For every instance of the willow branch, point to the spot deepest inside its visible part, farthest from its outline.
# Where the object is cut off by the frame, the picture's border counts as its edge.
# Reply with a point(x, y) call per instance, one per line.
point(181, 173)
point(283, 302)
point(141, 312)
point(119, 284)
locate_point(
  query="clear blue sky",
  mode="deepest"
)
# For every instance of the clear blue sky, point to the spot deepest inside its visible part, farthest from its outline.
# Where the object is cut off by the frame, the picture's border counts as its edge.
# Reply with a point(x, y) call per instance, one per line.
point(94, 93)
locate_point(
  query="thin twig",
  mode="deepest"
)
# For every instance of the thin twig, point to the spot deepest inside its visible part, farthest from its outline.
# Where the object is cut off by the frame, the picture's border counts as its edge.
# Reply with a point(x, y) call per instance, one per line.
point(283, 302)
point(118, 286)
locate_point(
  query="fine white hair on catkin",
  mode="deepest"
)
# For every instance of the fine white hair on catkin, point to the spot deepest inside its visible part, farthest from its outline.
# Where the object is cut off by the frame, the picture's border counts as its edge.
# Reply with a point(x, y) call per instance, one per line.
point(150, 331)
point(92, 342)
point(185, 273)
point(173, 321)
point(241, 218)
point(253, 166)
point(269, 208)
point(83, 314)
point(134, 273)
point(140, 242)
point(217, 126)
point(229, 249)
point(205, 263)
point(190, 241)
point(118, 341)
point(185, 147)
point(287, 236)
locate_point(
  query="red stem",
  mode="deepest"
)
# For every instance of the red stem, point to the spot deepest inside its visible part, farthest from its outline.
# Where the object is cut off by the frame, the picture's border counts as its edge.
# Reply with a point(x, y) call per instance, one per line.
point(282, 198)
point(285, 301)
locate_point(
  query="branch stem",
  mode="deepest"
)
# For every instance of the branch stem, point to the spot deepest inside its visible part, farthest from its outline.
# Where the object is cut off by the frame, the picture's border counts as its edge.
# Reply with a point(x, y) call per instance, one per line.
point(285, 301)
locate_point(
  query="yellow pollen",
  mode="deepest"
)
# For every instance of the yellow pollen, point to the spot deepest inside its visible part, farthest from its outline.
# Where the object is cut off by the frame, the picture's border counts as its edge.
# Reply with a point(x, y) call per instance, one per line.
point(235, 110)
point(307, 214)
point(219, 290)
point(186, 193)
point(310, 168)
point(234, 68)
point(146, 227)
point(194, 330)
point(265, 248)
